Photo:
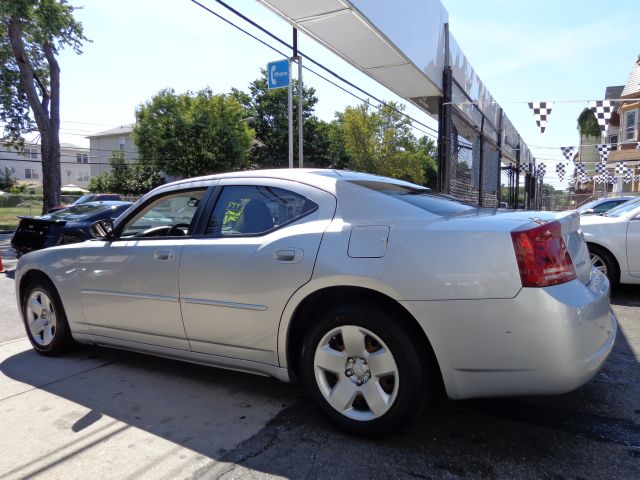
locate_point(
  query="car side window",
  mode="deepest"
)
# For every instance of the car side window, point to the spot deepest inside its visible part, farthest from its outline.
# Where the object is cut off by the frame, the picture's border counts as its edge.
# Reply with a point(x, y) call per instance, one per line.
point(167, 215)
point(603, 207)
point(253, 210)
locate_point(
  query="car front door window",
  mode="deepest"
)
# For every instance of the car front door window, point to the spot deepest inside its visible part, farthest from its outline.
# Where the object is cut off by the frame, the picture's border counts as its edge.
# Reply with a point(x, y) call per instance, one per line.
point(168, 215)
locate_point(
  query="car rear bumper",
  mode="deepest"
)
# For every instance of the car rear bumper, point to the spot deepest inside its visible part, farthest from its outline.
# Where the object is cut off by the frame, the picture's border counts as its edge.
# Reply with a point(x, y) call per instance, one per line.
point(543, 341)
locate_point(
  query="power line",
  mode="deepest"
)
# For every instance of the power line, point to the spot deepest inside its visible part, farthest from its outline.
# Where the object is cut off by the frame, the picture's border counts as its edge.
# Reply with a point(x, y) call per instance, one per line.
point(328, 70)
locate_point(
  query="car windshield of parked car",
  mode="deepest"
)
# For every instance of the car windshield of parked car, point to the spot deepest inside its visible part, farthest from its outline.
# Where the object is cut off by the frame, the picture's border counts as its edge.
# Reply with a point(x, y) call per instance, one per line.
point(588, 205)
point(76, 213)
point(624, 208)
point(84, 199)
point(419, 197)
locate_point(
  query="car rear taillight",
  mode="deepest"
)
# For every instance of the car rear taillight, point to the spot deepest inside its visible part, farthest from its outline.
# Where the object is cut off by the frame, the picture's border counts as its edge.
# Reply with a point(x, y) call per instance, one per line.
point(543, 258)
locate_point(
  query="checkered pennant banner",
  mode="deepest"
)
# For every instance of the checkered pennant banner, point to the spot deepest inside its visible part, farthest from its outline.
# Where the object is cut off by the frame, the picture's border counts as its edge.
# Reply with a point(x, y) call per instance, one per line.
point(526, 167)
point(542, 169)
point(602, 109)
point(568, 152)
point(612, 180)
point(628, 176)
point(560, 170)
point(584, 178)
point(541, 112)
point(580, 167)
point(603, 150)
point(601, 167)
point(599, 179)
point(621, 168)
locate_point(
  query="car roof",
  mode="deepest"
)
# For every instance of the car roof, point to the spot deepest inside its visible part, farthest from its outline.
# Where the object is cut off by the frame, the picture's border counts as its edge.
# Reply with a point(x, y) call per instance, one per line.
point(320, 177)
point(109, 203)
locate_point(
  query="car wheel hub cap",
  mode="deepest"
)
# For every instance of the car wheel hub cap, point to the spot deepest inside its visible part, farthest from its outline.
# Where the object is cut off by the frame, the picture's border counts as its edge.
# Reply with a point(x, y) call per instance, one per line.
point(356, 372)
point(41, 318)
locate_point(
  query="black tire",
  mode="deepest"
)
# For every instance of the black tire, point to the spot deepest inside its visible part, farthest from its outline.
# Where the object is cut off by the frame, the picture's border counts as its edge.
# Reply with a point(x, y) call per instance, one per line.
point(61, 340)
point(610, 263)
point(413, 370)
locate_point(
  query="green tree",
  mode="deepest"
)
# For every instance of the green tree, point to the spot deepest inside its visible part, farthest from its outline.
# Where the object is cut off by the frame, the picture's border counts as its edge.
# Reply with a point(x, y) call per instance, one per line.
point(192, 134)
point(32, 33)
point(381, 142)
point(127, 178)
point(6, 179)
point(268, 111)
point(428, 151)
point(588, 124)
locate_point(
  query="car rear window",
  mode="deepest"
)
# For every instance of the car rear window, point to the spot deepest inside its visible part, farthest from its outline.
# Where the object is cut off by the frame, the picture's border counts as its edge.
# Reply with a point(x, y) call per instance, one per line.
point(419, 197)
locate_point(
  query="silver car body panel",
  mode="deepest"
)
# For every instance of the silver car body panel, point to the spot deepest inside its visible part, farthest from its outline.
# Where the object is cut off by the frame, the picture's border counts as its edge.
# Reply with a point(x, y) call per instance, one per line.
point(620, 236)
point(229, 302)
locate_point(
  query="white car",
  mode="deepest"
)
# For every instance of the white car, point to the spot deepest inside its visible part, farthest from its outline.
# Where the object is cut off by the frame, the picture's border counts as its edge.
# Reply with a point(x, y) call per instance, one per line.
point(614, 241)
point(374, 292)
point(602, 205)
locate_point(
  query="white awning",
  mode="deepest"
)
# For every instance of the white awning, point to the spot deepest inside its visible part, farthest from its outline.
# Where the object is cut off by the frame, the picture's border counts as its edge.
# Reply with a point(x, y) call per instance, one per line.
point(399, 44)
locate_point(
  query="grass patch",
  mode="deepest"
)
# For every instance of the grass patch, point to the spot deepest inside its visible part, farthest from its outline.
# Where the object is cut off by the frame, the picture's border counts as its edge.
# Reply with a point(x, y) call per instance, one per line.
point(8, 215)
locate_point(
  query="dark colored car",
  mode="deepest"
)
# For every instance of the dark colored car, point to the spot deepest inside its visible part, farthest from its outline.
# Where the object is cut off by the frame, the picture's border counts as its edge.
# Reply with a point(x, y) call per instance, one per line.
point(69, 225)
point(91, 197)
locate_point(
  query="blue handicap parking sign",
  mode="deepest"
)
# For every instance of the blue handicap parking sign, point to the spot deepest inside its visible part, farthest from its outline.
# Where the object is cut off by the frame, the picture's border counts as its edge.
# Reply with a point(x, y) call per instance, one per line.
point(278, 74)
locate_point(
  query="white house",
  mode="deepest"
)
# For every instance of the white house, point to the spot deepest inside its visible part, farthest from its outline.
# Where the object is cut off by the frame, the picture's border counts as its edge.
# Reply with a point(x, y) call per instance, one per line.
point(102, 145)
point(25, 165)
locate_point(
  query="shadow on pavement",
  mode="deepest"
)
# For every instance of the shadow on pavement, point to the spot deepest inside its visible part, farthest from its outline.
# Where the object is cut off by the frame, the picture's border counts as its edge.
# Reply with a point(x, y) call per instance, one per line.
point(593, 432)
point(193, 406)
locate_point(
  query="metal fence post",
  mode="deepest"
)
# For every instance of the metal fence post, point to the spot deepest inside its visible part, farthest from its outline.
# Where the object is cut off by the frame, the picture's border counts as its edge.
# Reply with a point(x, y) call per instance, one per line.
point(481, 166)
point(517, 189)
point(444, 121)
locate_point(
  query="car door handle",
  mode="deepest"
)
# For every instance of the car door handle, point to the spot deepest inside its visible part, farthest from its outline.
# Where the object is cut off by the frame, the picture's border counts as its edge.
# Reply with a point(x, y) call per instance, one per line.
point(289, 255)
point(164, 255)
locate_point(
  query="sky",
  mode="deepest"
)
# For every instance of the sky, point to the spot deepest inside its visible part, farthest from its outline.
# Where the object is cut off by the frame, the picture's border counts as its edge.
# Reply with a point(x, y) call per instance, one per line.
point(566, 51)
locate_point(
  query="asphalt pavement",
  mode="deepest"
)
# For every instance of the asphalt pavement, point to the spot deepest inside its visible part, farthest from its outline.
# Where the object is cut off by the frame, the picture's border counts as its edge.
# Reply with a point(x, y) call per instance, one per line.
point(105, 413)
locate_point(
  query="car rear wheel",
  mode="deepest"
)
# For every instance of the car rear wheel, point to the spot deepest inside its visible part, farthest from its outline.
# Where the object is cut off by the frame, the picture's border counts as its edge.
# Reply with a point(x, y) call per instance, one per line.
point(45, 320)
point(604, 261)
point(365, 370)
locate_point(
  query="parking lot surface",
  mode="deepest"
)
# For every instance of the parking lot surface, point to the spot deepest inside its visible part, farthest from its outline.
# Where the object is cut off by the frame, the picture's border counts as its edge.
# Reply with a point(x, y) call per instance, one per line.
point(104, 413)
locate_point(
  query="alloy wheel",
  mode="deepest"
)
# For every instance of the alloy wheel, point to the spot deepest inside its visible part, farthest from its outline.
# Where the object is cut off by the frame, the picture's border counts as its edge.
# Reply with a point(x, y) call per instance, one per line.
point(356, 372)
point(598, 262)
point(41, 318)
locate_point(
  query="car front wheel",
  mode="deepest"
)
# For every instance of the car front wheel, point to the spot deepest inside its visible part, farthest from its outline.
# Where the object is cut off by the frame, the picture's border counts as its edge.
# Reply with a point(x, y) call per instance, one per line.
point(44, 319)
point(365, 371)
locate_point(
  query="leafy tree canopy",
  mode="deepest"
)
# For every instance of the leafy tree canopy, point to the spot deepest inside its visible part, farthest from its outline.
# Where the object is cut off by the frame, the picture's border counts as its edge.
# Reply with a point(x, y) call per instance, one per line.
point(128, 178)
point(192, 134)
point(382, 142)
point(32, 33)
point(588, 124)
point(268, 111)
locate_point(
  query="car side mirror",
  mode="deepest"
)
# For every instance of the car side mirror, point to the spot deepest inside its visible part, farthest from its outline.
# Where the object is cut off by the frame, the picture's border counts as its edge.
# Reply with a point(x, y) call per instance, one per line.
point(102, 229)
point(588, 211)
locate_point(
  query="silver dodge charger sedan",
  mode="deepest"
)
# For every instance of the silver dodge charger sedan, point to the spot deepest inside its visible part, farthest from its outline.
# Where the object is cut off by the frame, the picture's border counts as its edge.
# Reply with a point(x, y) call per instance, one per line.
point(375, 293)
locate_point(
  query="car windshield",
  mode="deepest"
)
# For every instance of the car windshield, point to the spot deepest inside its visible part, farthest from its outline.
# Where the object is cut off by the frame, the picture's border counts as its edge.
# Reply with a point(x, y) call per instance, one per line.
point(76, 213)
point(84, 199)
point(623, 208)
point(419, 197)
point(588, 205)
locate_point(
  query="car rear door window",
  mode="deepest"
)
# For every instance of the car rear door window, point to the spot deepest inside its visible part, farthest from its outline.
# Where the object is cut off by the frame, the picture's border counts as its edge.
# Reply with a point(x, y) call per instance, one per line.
point(253, 210)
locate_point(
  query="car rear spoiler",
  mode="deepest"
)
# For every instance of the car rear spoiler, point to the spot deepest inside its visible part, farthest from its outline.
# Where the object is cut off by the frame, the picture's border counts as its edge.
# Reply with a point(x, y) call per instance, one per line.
point(43, 220)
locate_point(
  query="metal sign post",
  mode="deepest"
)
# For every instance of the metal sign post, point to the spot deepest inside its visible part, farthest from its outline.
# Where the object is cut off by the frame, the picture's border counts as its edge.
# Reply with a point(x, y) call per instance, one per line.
point(279, 76)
